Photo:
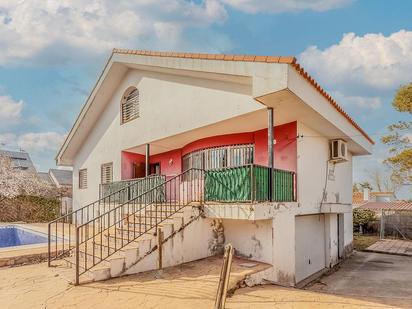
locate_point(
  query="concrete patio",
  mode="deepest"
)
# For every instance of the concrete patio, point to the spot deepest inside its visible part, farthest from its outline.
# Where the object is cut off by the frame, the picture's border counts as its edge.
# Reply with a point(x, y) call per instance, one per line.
point(392, 246)
point(382, 278)
point(366, 280)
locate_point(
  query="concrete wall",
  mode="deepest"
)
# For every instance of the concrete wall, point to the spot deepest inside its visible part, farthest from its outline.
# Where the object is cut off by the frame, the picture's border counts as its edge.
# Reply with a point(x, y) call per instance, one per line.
point(315, 173)
point(194, 242)
point(251, 239)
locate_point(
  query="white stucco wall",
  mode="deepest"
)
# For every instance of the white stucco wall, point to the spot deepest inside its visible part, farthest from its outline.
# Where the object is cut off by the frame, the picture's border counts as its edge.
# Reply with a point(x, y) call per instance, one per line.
point(313, 154)
point(251, 239)
point(169, 105)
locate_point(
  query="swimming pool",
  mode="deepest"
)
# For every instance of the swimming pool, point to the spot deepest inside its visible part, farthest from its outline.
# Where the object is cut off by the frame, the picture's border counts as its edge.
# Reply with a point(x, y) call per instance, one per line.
point(12, 235)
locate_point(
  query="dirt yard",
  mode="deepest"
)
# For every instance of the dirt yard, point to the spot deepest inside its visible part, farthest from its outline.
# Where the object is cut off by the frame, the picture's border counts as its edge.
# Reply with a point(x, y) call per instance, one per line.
point(193, 285)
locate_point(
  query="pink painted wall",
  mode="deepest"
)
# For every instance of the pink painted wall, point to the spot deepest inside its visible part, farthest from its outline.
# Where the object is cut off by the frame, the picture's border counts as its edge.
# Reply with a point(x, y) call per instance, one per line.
point(170, 162)
point(221, 140)
point(128, 158)
point(285, 150)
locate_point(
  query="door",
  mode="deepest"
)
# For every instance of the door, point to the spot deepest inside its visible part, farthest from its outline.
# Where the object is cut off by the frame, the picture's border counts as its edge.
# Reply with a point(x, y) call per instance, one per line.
point(310, 245)
point(155, 169)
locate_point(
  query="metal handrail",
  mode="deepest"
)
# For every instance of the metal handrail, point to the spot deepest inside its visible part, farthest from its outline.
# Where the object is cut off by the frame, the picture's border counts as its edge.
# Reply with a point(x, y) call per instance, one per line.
point(79, 215)
point(170, 200)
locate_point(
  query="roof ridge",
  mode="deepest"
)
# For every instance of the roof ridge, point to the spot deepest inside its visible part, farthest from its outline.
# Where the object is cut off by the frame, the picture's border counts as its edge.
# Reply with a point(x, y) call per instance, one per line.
point(225, 57)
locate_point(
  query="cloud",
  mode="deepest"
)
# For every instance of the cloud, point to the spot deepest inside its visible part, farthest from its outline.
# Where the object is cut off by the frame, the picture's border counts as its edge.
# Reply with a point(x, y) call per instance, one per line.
point(7, 140)
point(40, 142)
point(279, 6)
point(372, 61)
point(31, 28)
point(358, 101)
point(10, 110)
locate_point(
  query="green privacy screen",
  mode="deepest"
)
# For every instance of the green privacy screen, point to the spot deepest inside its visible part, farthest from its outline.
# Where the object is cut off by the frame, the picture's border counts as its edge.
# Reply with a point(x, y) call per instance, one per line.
point(247, 183)
point(283, 187)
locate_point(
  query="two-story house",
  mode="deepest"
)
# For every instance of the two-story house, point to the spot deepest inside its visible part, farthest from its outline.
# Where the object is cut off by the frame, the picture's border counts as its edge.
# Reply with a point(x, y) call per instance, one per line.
point(248, 150)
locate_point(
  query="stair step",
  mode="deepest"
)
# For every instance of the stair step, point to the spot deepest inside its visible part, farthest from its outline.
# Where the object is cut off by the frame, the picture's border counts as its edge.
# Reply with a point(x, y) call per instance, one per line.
point(96, 273)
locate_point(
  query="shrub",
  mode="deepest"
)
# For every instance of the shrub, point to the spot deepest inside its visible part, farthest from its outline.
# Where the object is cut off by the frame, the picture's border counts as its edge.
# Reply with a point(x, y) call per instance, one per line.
point(361, 217)
point(29, 208)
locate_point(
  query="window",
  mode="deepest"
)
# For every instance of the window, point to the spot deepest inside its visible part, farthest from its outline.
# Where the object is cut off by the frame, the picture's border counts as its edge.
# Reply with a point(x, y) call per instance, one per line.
point(219, 157)
point(106, 173)
point(130, 105)
point(83, 179)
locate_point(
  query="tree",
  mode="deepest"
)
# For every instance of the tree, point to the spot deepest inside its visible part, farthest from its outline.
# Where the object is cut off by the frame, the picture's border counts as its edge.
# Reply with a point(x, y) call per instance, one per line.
point(16, 182)
point(403, 99)
point(400, 139)
point(382, 181)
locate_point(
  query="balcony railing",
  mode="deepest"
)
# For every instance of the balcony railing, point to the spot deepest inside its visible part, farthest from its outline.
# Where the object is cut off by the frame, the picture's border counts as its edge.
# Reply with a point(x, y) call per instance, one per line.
point(249, 183)
point(140, 185)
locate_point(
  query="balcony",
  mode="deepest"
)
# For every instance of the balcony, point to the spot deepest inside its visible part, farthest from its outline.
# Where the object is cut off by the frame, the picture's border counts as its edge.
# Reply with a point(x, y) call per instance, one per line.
point(242, 184)
point(249, 183)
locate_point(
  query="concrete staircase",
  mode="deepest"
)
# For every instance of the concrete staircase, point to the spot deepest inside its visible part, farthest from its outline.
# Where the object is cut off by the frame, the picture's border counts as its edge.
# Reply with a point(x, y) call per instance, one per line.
point(126, 260)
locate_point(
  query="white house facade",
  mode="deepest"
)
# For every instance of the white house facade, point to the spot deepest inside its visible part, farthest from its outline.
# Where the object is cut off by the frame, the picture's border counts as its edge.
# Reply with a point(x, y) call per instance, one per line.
point(180, 142)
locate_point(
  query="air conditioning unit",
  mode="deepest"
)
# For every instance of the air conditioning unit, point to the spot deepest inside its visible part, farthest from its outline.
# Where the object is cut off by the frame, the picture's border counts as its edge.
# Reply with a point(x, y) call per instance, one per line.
point(338, 150)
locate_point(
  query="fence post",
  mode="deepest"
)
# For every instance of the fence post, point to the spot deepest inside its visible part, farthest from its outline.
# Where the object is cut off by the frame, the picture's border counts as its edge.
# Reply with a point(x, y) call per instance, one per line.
point(77, 257)
point(159, 248)
point(252, 185)
point(382, 231)
point(49, 245)
point(224, 278)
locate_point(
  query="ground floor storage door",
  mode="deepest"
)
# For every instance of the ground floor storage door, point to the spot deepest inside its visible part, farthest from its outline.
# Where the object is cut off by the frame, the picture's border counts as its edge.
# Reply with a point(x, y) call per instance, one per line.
point(310, 245)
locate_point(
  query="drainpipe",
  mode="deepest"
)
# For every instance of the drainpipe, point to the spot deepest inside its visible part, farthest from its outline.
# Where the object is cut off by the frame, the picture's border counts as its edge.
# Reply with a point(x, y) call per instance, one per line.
point(270, 150)
point(147, 166)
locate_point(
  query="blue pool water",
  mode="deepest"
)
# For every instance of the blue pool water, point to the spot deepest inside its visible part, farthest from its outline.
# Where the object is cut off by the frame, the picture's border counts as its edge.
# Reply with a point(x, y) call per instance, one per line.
point(15, 236)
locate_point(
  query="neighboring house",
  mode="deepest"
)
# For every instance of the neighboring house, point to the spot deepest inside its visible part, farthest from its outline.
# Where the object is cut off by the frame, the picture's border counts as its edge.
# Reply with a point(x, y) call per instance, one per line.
point(19, 159)
point(61, 179)
point(361, 197)
point(45, 177)
point(172, 114)
point(378, 201)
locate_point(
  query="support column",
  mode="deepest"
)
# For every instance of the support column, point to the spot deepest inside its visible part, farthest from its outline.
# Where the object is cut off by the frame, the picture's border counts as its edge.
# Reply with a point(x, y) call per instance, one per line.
point(382, 231)
point(147, 166)
point(270, 151)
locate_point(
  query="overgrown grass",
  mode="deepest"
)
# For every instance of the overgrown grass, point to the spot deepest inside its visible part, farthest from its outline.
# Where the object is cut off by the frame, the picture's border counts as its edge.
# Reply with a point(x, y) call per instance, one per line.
point(361, 242)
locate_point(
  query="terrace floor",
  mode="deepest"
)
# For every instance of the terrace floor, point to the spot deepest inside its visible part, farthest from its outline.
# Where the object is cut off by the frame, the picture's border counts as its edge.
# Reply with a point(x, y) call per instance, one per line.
point(392, 246)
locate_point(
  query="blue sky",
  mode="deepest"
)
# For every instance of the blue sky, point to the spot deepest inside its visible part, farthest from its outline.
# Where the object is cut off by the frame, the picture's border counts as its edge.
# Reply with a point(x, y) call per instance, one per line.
point(360, 51)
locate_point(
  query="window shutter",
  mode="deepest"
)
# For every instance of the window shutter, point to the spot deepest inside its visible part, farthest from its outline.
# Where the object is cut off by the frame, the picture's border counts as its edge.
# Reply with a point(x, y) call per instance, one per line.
point(107, 173)
point(83, 179)
point(130, 106)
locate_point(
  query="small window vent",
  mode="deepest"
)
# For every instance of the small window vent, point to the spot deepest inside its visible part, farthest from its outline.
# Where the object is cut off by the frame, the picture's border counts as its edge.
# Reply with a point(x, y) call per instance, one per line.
point(130, 106)
point(83, 179)
point(106, 173)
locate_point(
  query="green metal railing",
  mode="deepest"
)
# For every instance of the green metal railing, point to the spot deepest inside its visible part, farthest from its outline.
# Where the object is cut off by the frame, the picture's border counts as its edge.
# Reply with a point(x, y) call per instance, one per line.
point(283, 186)
point(140, 185)
point(249, 183)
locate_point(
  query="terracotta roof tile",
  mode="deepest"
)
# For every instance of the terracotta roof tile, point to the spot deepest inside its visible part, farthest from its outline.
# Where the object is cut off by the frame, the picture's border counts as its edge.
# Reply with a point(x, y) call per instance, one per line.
point(395, 205)
point(272, 59)
point(238, 57)
point(248, 58)
point(261, 58)
point(252, 58)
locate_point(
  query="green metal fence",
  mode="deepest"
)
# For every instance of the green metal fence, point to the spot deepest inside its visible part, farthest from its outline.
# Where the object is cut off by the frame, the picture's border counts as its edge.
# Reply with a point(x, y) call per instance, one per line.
point(140, 186)
point(283, 186)
point(248, 183)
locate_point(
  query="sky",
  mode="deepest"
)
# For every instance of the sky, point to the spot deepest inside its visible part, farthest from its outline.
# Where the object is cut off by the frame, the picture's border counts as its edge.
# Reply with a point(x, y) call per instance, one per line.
point(52, 52)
